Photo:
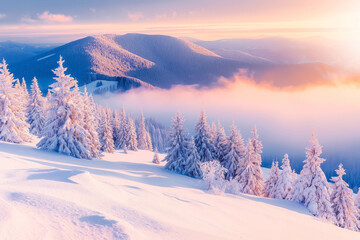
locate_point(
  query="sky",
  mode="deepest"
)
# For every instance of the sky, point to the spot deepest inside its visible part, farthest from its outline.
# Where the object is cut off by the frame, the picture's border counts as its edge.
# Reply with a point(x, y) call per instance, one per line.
point(61, 21)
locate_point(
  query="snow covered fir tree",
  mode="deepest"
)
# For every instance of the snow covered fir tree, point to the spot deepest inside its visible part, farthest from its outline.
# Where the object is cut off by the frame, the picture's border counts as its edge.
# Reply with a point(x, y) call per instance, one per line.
point(346, 213)
point(234, 152)
point(271, 182)
point(143, 141)
point(312, 188)
point(203, 139)
point(36, 109)
point(178, 150)
point(285, 180)
point(13, 125)
point(64, 130)
point(220, 142)
point(106, 132)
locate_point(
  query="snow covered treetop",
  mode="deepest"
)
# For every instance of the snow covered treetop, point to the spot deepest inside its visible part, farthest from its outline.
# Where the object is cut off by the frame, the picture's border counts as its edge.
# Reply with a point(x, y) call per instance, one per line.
point(314, 150)
point(340, 172)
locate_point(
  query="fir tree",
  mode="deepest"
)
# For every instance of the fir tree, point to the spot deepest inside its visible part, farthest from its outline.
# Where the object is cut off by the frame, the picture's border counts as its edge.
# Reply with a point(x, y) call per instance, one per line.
point(257, 151)
point(346, 214)
point(132, 144)
point(213, 131)
point(285, 181)
point(220, 143)
point(142, 134)
point(191, 164)
point(36, 109)
point(148, 142)
point(270, 183)
point(357, 201)
point(234, 153)
point(124, 136)
point(178, 142)
point(311, 187)
point(250, 178)
point(25, 92)
point(13, 126)
point(203, 139)
point(116, 128)
point(90, 124)
point(64, 128)
point(47, 99)
point(156, 157)
point(106, 132)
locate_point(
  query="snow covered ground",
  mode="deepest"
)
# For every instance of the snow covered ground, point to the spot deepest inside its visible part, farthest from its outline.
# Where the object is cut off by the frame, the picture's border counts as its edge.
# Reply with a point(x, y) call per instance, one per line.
point(46, 195)
point(104, 86)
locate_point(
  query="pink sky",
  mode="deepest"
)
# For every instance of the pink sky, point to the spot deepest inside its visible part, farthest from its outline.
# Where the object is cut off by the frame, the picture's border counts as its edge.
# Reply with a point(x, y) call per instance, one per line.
point(207, 20)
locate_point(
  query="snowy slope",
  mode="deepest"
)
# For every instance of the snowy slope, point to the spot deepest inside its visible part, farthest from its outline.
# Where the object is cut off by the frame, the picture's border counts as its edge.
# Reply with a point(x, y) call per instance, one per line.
point(99, 86)
point(45, 195)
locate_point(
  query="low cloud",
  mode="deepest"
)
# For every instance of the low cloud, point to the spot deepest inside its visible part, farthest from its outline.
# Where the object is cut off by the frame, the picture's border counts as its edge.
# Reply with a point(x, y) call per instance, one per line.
point(2, 15)
point(27, 19)
point(135, 16)
point(285, 118)
point(54, 18)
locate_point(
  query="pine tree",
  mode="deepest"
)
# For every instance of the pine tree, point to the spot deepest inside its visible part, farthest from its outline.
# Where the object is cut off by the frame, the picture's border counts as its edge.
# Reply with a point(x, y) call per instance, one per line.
point(25, 92)
point(47, 99)
point(116, 122)
point(213, 131)
point(13, 126)
point(124, 137)
point(203, 139)
point(148, 142)
point(220, 143)
point(234, 153)
point(90, 125)
point(250, 178)
point(132, 144)
point(346, 214)
point(156, 159)
point(357, 200)
point(270, 183)
point(125, 150)
point(311, 187)
point(257, 151)
point(106, 132)
point(64, 128)
point(142, 134)
point(191, 164)
point(178, 142)
point(285, 181)
point(36, 109)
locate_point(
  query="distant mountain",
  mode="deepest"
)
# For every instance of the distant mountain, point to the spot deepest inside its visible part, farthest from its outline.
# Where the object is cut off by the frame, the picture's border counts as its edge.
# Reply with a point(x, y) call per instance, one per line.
point(135, 60)
point(273, 49)
point(16, 52)
point(141, 60)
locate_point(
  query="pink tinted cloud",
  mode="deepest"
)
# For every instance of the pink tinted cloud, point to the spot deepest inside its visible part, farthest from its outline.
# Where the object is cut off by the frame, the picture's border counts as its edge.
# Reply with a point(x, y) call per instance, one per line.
point(2, 15)
point(135, 16)
point(54, 18)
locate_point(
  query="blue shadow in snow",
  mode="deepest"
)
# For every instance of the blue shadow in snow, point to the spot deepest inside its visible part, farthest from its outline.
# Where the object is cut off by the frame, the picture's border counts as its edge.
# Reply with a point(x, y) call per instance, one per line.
point(54, 175)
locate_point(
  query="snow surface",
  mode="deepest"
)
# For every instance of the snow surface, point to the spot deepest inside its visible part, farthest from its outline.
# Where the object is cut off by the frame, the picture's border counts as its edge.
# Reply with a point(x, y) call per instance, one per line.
point(92, 87)
point(45, 195)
